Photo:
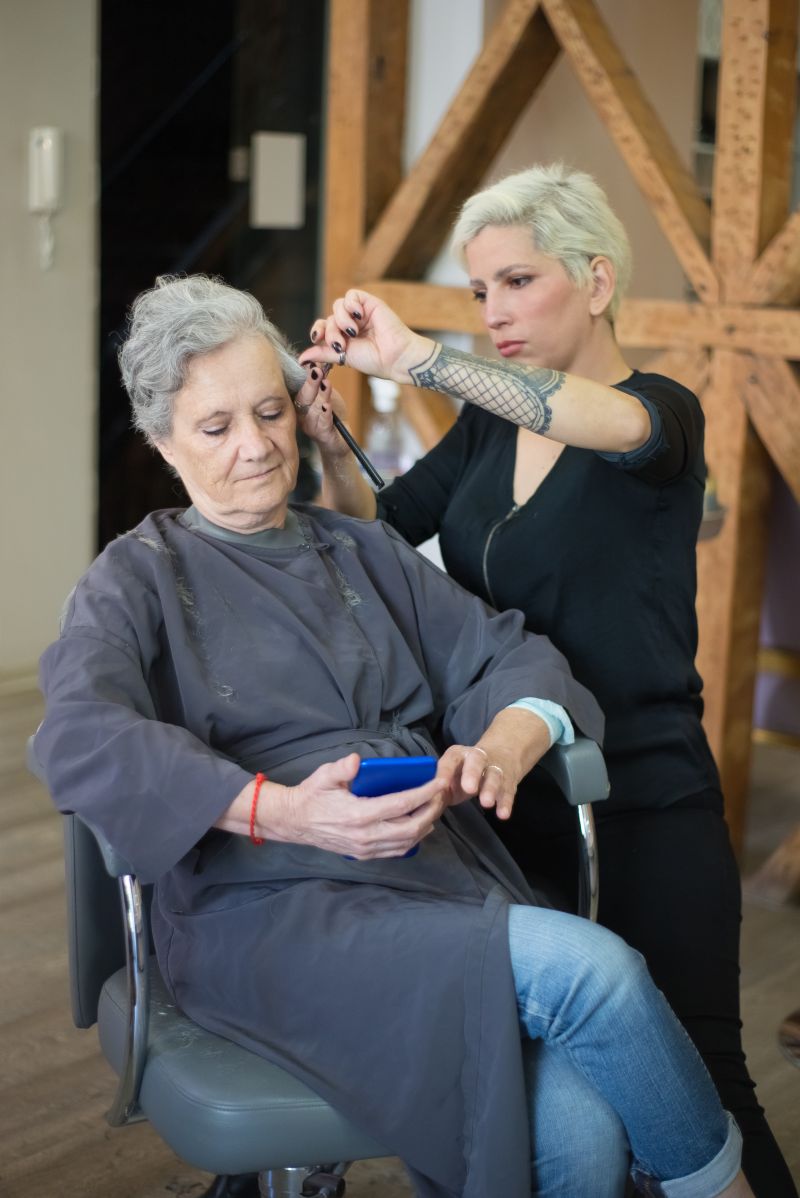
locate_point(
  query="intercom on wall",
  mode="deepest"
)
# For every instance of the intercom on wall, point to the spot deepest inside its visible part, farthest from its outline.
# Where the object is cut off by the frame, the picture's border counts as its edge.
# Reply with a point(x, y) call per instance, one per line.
point(45, 169)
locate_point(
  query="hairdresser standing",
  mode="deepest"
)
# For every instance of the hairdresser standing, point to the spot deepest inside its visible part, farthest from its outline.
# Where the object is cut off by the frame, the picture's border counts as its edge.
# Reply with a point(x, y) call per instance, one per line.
point(572, 487)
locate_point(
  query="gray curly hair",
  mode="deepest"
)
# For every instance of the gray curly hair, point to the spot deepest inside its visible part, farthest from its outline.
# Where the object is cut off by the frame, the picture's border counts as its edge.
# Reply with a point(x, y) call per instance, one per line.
point(568, 215)
point(174, 321)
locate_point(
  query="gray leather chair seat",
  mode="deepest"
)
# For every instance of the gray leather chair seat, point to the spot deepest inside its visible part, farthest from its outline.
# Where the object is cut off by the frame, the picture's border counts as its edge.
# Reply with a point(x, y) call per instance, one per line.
point(216, 1104)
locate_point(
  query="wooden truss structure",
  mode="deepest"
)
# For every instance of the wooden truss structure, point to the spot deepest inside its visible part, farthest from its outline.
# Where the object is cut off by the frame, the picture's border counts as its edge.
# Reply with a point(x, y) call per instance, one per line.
point(734, 344)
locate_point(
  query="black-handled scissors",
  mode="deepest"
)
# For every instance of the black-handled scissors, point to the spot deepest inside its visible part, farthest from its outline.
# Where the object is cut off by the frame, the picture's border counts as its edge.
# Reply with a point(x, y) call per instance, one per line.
point(370, 471)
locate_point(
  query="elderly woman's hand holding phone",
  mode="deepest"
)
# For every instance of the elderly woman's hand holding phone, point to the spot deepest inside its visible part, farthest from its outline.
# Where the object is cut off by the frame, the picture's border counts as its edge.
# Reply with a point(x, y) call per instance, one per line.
point(322, 812)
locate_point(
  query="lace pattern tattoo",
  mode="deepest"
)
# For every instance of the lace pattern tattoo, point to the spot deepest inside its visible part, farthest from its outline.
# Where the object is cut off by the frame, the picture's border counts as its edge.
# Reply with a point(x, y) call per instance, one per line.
point(517, 393)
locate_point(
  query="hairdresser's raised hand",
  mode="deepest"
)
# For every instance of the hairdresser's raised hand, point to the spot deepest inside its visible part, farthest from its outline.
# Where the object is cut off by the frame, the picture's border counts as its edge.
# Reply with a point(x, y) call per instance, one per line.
point(363, 332)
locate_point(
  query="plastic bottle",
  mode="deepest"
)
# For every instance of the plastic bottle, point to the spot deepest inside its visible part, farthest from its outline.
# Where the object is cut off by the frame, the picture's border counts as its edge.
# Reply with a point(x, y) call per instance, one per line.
point(388, 442)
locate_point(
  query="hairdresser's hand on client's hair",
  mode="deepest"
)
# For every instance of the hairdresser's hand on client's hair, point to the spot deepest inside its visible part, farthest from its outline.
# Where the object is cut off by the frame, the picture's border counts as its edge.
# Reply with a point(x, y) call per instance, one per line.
point(371, 337)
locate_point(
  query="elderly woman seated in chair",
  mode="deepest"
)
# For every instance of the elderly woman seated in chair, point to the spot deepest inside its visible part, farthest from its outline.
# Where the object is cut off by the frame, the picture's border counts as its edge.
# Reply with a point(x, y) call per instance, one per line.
point(220, 673)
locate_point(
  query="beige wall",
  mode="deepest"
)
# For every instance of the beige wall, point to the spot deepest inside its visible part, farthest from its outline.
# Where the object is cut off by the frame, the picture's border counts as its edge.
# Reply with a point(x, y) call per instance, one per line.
point(659, 41)
point(47, 318)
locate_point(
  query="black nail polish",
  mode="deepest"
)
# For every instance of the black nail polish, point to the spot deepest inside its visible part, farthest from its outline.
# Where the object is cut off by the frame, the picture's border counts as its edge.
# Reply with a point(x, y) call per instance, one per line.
point(352, 332)
point(337, 347)
point(324, 408)
point(357, 315)
point(314, 375)
point(323, 386)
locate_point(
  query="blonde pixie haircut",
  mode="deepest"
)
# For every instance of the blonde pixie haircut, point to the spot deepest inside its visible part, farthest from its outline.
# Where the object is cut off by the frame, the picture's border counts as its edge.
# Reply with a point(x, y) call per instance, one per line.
point(568, 215)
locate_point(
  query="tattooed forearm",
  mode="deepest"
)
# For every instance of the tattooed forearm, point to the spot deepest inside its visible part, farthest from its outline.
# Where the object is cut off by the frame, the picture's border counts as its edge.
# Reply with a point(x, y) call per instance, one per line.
point(517, 393)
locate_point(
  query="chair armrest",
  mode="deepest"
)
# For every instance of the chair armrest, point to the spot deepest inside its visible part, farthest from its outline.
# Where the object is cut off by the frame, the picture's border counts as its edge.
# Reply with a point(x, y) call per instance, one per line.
point(578, 770)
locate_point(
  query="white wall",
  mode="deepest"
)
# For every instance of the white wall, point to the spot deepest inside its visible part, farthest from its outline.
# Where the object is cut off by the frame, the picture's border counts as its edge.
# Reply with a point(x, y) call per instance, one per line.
point(47, 353)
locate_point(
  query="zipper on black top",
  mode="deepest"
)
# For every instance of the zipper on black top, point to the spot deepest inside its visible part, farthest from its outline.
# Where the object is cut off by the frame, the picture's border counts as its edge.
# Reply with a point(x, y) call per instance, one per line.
point(492, 531)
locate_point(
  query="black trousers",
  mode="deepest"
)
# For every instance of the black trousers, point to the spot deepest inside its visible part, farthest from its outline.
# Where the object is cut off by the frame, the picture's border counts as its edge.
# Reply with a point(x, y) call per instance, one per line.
point(669, 885)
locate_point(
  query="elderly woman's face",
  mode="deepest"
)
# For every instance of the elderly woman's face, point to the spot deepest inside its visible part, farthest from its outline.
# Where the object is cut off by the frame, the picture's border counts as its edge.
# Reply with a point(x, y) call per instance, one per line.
point(532, 309)
point(233, 436)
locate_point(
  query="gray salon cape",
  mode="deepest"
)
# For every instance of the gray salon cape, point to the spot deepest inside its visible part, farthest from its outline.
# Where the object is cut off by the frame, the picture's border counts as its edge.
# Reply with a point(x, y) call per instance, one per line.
point(189, 660)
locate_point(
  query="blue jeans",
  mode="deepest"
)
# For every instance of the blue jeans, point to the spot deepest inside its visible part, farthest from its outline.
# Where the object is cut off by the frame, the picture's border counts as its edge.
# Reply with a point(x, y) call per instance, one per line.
point(612, 1074)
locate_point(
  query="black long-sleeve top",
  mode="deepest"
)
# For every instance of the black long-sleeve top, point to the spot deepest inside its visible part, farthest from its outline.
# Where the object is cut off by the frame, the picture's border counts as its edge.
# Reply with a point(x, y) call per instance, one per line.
point(601, 559)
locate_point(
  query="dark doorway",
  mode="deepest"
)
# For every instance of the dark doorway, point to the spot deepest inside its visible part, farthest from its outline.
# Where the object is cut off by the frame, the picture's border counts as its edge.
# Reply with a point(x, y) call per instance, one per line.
point(183, 87)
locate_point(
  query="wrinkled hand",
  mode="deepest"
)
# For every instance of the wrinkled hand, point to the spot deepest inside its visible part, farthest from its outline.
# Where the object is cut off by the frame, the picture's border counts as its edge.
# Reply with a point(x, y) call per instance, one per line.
point(315, 404)
point(492, 769)
point(322, 812)
point(469, 773)
point(363, 332)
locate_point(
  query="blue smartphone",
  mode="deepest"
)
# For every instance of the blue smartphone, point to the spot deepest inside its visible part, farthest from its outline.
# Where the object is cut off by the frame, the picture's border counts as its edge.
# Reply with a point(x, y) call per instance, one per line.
point(385, 775)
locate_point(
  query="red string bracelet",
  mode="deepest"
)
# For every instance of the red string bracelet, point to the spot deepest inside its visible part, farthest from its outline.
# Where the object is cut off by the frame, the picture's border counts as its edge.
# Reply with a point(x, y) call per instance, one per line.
point(254, 808)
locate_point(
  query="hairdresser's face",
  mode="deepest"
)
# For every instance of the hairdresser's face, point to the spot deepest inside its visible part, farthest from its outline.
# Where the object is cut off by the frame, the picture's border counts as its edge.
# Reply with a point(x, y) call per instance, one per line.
point(233, 436)
point(533, 311)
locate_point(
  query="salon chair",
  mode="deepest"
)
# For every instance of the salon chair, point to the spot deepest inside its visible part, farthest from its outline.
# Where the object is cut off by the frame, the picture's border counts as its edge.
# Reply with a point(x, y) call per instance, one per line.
point(220, 1107)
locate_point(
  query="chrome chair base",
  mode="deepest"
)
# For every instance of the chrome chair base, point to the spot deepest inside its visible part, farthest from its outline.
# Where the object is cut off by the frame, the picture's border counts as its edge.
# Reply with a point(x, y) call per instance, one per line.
point(323, 1181)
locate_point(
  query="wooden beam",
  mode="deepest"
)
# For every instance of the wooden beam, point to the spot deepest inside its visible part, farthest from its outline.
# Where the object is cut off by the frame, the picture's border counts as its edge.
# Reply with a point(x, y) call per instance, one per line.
point(771, 395)
point(516, 57)
point(429, 413)
point(645, 323)
point(346, 142)
point(775, 277)
point(771, 331)
point(755, 124)
point(617, 97)
point(690, 367)
point(363, 136)
point(386, 90)
point(730, 581)
point(429, 306)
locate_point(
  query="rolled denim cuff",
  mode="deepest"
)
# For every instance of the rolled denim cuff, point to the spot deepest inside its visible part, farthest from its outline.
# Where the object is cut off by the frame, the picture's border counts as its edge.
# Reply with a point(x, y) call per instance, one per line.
point(711, 1179)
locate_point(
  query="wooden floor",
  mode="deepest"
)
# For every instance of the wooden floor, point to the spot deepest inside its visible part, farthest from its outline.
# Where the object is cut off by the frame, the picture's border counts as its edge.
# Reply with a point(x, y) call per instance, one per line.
point(55, 1087)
